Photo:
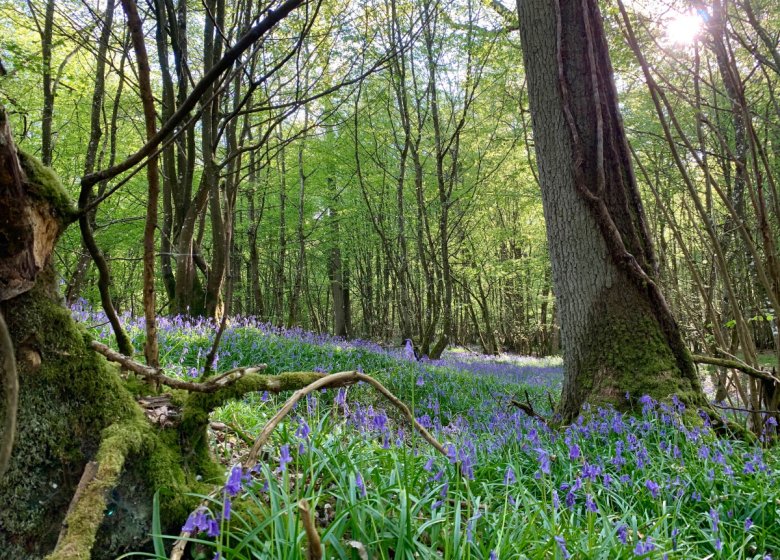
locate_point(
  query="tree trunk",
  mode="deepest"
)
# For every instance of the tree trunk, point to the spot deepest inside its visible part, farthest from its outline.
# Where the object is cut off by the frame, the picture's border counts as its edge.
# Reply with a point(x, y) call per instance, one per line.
point(617, 331)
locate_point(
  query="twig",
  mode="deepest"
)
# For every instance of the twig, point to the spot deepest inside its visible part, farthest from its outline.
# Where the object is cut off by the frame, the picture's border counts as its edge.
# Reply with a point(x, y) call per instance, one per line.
point(738, 409)
point(11, 396)
point(529, 410)
point(314, 547)
point(157, 374)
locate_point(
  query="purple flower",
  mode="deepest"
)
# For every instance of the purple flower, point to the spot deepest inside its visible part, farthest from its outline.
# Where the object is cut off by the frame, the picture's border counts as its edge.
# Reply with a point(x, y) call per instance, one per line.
point(562, 545)
point(197, 522)
point(748, 524)
point(653, 488)
point(233, 485)
point(303, 430)
point(360, 485)
point(284, 457)
point(644, 547)
point(544, 460)
point(715, 519)
point(213, 528)
point(622, 533)
point(509, 476)
point(590, 503)
point(226, 509)
point(409, 350)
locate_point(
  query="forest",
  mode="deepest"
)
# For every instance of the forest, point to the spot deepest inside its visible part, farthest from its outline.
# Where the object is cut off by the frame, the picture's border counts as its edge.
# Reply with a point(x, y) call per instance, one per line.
point(389, 279)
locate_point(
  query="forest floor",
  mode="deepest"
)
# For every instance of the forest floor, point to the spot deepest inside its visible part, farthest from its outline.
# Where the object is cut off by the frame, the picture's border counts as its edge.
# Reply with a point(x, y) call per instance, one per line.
point(609, 486)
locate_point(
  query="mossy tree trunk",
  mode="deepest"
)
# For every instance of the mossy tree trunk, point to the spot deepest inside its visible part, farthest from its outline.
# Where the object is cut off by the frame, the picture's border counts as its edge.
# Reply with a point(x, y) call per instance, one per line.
point(80, 430)
point(617, 330)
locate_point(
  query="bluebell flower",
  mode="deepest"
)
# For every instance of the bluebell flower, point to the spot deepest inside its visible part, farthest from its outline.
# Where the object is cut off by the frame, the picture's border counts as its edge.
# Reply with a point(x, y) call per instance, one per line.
point(653, 488)
point(644, 547)
point(509, 476)
point(233, 485)
point(213, 528)
point(284, 457)
point(562, 546)
point(227, 507)
point(360, 485)
point(715, 519)
point(622, 533)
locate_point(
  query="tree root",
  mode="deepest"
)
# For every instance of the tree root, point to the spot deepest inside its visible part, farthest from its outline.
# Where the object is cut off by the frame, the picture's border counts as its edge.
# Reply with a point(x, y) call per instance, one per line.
point(86, 510)
point(337, 380)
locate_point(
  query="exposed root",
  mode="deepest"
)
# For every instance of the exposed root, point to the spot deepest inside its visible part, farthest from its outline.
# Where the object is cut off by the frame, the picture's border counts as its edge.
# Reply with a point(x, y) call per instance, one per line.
point(86, 510)
point(11, 388)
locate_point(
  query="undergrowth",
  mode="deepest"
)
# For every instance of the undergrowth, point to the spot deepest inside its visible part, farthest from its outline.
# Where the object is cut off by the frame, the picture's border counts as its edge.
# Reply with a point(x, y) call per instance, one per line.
point(608, 486)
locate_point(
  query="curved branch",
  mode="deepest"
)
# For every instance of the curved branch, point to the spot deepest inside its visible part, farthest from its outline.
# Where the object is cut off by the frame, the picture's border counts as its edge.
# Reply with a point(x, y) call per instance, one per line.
point(337, 380)
point(11, 388)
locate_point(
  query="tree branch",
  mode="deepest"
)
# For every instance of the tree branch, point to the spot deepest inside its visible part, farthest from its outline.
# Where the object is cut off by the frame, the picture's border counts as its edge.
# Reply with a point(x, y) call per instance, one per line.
point(231, 56)
point(733, 364)
point(11, 388)
point(157, 374)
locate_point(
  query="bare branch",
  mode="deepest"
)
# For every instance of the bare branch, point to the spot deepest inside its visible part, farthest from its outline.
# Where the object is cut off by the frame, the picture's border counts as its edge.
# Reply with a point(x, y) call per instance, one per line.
point(733, 364)
point(157, 374)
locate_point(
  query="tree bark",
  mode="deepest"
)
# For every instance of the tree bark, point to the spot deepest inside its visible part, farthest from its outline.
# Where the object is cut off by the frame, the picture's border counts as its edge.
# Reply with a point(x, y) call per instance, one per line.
point(617, 331)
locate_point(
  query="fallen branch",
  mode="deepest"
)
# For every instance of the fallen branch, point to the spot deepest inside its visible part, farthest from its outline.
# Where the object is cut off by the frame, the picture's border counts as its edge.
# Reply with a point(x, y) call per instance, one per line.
point(337, 380)
point(734, 364)
point(11, 388)
point(87, 508)
point(739, 409)
point(314, 547)
point(157, 374)
point(334, 380)
point(529, 410)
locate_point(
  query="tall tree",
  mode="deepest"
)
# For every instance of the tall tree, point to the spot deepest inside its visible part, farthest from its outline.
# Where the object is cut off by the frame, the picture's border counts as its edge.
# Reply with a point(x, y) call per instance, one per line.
point(617, 329)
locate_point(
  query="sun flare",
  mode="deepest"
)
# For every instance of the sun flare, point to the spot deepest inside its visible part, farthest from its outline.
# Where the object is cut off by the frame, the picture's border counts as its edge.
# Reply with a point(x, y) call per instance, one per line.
point(683, 29)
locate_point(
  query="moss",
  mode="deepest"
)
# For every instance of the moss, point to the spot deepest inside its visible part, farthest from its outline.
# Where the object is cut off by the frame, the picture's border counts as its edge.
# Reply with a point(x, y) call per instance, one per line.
point(628, 353)
point(45, 185)
point(68, 405)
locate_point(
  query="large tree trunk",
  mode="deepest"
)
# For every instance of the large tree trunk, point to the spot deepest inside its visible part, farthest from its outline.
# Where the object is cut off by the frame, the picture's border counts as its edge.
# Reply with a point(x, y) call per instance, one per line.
point(617, 331)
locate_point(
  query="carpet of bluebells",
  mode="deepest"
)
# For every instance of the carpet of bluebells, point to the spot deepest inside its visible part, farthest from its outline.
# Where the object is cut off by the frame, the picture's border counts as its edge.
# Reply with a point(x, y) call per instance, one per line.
point(609, 486)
